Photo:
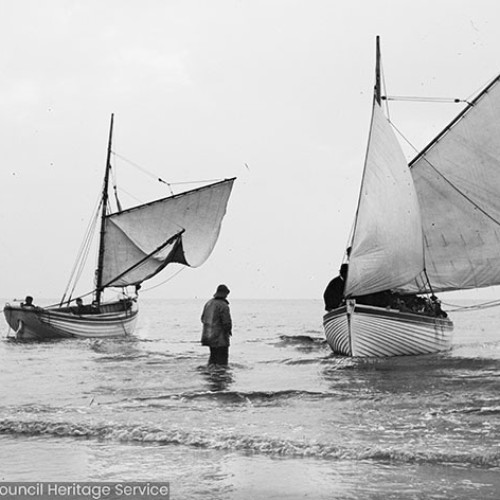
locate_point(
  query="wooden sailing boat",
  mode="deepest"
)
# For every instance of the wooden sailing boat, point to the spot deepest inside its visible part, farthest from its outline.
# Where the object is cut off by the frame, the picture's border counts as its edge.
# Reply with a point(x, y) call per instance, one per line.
point(134, 245)
point(432, 226)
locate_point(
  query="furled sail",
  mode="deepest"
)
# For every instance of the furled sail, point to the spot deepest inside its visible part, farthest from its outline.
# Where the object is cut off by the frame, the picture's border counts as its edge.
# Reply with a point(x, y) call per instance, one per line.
point(457, 179)
point(387, 246)
point(184, 228)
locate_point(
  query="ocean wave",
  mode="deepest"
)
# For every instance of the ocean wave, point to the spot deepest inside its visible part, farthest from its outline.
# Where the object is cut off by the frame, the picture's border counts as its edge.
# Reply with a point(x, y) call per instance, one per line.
point(33, 408)
point(305, 343)
point(302, 339)
point(150, 358)
point(250, 444)
point(302, 361)
point(238, 396)
point(120, 357)
point(441, 364)
point(480, 410)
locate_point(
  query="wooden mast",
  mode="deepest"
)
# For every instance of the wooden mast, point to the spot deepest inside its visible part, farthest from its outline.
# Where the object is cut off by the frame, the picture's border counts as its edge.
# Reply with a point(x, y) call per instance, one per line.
point(378, 99)
point(378, 94)
point(104, 201)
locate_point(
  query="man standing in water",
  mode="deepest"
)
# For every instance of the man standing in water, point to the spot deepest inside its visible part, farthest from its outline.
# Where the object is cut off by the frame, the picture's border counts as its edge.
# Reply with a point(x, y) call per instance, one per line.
point(216, 319)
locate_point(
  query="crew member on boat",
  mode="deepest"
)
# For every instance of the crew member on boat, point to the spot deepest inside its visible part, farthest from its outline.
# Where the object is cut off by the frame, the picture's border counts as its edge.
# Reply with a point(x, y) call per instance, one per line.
point(384, 298)
point(334, 298)
point(334, 292)
point(404, 303)
point(436, 307)
point(28, 302)
point(79, 308)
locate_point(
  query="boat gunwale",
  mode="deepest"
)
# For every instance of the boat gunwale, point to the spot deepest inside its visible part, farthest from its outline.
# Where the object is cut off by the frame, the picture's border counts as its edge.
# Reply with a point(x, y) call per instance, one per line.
point(388, 313)
point(44, 313)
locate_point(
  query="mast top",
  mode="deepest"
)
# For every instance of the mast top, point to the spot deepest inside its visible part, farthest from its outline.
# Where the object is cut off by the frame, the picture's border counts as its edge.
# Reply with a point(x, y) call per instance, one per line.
point(378, 91)
point(104, 201)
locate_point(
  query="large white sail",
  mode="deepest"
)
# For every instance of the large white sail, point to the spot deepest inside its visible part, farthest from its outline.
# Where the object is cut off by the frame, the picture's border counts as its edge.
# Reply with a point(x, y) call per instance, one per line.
point(387, 247)
point(134, 244)
point(457, 179)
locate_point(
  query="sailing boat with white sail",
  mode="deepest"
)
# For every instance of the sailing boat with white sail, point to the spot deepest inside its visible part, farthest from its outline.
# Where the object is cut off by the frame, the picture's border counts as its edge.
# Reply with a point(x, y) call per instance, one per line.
point(134, 245)
point(432, 226)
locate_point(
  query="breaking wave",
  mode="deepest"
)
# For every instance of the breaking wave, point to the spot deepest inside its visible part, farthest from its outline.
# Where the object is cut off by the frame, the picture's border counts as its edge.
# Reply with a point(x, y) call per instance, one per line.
point(302, 339)
point(248, 444)
point(237, 396)
point(480, 410)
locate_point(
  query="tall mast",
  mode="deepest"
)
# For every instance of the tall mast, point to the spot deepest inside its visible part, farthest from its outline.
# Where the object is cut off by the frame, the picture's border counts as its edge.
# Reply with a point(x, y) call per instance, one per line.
point(378, 95)
point(104, 201)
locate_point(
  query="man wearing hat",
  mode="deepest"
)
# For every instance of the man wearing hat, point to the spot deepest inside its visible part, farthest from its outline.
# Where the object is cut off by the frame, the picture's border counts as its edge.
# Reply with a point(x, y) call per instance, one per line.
point(217, 324)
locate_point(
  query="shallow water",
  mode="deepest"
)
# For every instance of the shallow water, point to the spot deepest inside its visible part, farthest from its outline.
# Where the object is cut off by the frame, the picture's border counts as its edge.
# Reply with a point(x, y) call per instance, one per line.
point(287, 419)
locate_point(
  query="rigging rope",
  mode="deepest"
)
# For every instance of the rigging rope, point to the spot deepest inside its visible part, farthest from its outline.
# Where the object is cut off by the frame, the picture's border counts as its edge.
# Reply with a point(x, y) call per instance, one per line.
point(424, 99)
point(115, 188)
point(142, 169)
point(82, 255)
point(158, 178)
point(137, 200)
point(484, 305)
point(459, 191)
point(165, 281)
point(84, 250)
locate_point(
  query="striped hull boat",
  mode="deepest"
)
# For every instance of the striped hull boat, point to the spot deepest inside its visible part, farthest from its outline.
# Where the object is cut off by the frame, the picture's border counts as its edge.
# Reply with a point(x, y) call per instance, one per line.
point(116, 319)
point(367, 331)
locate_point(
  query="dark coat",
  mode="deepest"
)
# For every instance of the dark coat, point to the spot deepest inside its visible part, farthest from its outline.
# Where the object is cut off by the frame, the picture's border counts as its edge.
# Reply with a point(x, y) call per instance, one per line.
point(217, 325)
point(334, 293)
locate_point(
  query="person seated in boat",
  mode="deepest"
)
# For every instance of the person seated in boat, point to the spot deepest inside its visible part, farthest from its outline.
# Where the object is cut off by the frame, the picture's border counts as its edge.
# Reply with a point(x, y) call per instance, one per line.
point(334, 292)
point(400, 303)
point(419, 305)
point(378, 299)
point(436, 307)
point(412, 304)
point(422, 305)
point(28, 302)
point(79, 308)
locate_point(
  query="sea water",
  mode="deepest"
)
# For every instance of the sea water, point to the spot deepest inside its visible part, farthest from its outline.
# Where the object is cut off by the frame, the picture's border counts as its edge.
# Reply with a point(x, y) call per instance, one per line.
point(287, 420)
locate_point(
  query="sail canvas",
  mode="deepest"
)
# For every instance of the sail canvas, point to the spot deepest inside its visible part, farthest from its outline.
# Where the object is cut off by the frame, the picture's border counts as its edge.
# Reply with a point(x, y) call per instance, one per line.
point(387, 247)
point(138, 236)
point(457, 179)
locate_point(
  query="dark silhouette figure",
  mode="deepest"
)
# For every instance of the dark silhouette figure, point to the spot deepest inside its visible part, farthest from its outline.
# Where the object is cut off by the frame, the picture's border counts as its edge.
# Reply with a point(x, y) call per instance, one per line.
point(334, 292)
point(28, 302)
point(217, 326)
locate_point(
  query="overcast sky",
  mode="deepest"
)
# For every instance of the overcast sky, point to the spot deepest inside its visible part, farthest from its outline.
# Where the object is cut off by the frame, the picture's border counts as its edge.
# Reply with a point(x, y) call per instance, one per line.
point(201, 88)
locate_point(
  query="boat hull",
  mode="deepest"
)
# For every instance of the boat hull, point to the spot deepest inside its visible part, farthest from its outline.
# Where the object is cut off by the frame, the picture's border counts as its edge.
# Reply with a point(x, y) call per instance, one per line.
point(116, 319)
point(367, 331)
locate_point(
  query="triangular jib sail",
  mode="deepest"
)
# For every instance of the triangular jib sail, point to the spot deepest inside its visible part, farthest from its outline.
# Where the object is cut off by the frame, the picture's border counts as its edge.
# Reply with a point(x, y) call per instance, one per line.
point(184, 228)
point(457, 178)
point(387, 246)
